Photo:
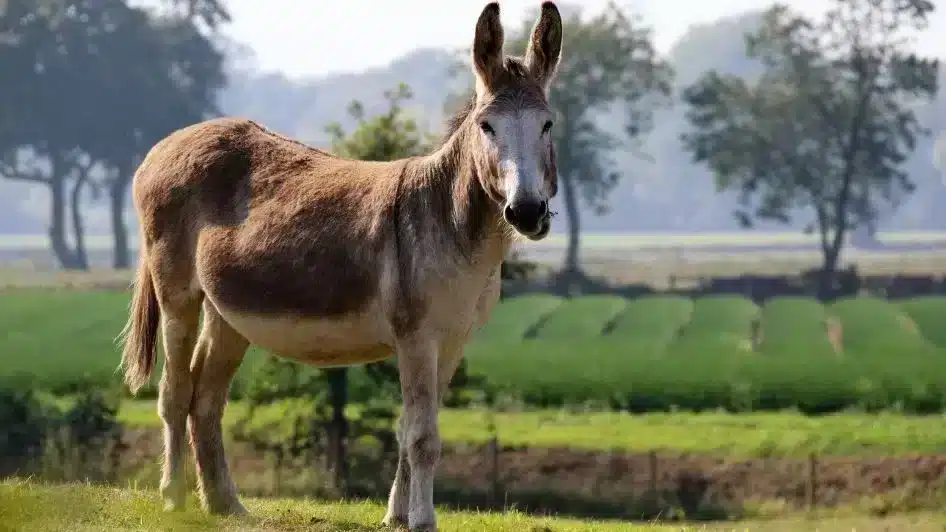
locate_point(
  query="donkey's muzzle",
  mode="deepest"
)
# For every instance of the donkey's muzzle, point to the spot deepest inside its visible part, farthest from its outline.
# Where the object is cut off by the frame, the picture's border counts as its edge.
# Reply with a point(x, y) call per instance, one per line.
point(528, 217)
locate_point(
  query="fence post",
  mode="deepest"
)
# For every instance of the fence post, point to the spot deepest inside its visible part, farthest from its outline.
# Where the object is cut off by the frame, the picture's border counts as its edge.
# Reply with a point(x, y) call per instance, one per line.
point(493, 450)
point(653, 474)
point(812, 490)
point(277, 470)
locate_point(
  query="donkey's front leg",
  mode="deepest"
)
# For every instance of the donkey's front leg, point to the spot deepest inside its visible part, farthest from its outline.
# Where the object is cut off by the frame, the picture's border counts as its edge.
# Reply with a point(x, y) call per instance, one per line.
point(417, 366)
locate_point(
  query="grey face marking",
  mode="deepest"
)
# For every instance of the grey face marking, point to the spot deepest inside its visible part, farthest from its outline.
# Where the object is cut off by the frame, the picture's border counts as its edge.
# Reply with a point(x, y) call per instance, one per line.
point(521, 139)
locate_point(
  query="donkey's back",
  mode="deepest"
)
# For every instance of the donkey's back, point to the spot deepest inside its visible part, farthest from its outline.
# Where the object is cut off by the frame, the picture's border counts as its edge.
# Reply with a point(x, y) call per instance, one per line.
point(287, 242)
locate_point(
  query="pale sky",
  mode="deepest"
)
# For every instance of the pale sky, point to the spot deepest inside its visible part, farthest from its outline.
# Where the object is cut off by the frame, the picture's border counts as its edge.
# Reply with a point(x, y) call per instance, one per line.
point(304, 38)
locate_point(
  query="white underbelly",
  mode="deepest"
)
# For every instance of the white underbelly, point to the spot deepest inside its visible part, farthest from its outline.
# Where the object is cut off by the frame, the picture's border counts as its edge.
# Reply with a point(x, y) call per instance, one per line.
point(349, 340)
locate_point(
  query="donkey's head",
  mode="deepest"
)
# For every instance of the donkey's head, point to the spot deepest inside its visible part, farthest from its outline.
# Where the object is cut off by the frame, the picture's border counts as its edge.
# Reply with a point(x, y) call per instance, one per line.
point(516, 162)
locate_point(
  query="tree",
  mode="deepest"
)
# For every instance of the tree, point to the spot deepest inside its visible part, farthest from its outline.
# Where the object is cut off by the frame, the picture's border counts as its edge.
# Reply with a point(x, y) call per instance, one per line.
point(177, 88)
point(827, 127)
point(92, 85)
point(607, 61)
point(43, 50)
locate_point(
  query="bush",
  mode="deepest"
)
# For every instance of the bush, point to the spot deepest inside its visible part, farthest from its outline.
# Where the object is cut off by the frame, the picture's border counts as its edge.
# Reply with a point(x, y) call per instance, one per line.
point(26, 424)
point(585, 317)
point(79, 441)
point(659, 319)
point(795, 326)
point(927, 313)
point(514, 318)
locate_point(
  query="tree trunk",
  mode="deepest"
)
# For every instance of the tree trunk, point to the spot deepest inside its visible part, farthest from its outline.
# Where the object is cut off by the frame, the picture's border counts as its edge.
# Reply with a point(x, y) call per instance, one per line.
point(121, 258)
point(78, 226)
point(829, 271)
point(338, 398)
point(57, 217)
point(573, 215)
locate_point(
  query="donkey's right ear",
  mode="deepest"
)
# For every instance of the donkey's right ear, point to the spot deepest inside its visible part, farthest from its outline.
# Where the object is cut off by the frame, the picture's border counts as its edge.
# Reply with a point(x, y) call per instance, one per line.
point(488, 47)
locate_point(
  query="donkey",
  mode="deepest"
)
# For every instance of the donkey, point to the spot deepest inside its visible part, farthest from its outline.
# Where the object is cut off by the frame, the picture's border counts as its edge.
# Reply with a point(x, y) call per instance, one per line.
point(335, 262)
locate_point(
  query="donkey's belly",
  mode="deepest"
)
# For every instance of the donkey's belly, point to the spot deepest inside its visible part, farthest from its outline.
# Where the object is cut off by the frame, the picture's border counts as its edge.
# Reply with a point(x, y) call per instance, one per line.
point(344, 341)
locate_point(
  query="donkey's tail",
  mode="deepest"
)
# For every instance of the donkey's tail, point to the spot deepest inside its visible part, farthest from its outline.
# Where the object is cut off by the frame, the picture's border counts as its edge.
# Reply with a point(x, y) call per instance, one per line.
point(140, 333)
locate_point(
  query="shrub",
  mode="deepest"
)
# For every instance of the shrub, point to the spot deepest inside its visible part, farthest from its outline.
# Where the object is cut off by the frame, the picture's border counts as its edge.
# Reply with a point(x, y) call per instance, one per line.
point(927, 313)
point(795, 326)
point(26, 424)
point(656, 318)
point(584, 317)
point(515, 317)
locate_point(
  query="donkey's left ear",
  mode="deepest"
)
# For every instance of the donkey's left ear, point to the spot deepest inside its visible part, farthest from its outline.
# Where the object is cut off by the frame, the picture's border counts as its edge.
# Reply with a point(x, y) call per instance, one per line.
point(545, 45)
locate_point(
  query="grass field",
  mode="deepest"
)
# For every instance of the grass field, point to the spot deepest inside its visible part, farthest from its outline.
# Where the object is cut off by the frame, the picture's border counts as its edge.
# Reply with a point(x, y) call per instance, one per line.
point(81, 508)
point(26, 506)
point(653, 353)
point(738, 436)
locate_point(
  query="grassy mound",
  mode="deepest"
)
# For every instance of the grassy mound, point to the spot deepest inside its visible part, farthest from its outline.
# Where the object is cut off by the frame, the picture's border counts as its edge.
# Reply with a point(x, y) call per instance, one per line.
point(513, 318)
point(928, 313)
point(583, 317)
point(793, 325)
point(655, 318)
point(718, 324)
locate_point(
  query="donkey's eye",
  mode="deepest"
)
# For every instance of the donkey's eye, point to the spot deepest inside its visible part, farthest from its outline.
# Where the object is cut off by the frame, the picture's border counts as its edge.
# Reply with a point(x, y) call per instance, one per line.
point(488, 129)
point(547, 127)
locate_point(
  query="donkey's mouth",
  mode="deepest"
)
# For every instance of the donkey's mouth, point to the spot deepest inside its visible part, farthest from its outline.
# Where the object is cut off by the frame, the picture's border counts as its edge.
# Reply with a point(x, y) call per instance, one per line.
point(545, 226)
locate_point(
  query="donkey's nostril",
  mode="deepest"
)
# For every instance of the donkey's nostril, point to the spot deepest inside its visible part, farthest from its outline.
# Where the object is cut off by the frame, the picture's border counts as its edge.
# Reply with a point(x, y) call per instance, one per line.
point(526, 216)
point(509, 214)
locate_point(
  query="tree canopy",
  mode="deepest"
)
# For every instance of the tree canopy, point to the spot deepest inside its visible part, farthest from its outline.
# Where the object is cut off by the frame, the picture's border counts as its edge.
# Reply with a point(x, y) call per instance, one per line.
point(829, 123)
point(92, 85)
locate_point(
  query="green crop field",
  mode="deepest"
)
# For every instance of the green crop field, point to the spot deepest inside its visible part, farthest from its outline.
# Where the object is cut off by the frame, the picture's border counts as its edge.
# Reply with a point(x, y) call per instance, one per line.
point(652, 353)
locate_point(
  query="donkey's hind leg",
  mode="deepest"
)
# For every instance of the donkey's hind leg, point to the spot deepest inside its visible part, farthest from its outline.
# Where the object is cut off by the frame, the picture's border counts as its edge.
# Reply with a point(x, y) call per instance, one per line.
point(220, 351)
point(180, 323)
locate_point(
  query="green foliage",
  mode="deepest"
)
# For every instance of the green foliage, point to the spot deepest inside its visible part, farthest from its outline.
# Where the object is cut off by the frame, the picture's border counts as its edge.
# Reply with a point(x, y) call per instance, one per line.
point(60, 442)
point(516, 317)
point(718, 322)
point(385, 137)
point(583, 317)
point(132, 77)
point(25, 425)
point(885, 361)
point(875, 324)
point(827, 126)
point(926, 313)
point(661, 353)
point(794, 325)
point(659, 318)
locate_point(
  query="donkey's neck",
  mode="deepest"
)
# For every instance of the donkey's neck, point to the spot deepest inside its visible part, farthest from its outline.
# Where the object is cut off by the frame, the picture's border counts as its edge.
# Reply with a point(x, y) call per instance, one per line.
point(463, 213)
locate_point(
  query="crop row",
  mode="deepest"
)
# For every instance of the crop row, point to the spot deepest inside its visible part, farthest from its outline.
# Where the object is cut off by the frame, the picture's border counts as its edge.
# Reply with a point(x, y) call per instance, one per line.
point(651, 353)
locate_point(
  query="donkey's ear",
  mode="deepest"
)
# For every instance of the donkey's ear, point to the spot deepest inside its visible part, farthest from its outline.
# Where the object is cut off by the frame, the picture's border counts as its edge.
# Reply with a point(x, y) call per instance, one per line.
point(545, 45)
point(488, 47)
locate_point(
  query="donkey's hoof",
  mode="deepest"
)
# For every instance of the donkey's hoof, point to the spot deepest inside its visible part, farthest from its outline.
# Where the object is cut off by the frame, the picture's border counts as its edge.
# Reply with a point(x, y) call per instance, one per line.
point(395, 522)
point(173, 496)
point(226, 508)
point(429, 527)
